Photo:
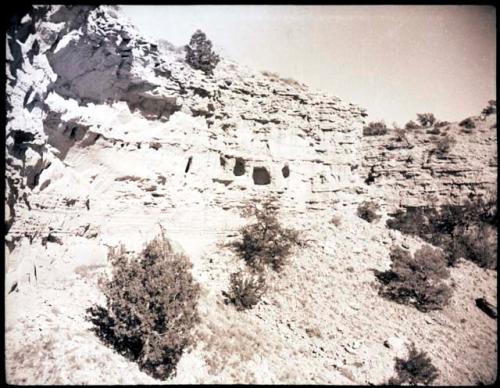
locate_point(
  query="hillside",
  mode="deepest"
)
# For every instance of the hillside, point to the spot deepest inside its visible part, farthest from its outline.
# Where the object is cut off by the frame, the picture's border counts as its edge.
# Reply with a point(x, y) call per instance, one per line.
point(110, 136)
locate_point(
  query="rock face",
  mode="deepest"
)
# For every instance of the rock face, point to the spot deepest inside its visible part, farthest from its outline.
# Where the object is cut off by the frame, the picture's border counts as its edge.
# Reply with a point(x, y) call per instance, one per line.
point(93, 72)
point(109, 135)
point(410, 171)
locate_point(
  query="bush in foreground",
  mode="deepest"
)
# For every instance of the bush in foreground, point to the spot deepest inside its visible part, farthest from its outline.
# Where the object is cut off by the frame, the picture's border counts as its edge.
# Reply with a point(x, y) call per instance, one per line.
point(417, 369)
point(266, 242)
point(468, 230)
point(150, 307)
point(477, 243)
point(416, 280)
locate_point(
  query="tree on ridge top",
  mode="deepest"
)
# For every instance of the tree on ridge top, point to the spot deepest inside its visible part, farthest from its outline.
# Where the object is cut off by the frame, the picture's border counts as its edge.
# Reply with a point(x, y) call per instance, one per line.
point(199, 53)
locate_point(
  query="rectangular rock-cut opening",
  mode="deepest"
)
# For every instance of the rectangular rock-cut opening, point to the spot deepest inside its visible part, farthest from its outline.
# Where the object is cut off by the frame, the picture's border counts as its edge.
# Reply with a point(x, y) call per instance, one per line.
point(261, 176)
point(239, 167)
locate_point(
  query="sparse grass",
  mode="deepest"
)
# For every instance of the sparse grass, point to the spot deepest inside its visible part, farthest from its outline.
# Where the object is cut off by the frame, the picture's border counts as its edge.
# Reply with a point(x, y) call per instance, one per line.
point(32, 362)
point(150, 308)
point(87, 271)
point(230, 342)
point(276, 77)
point(416, 280)
point(417, 369)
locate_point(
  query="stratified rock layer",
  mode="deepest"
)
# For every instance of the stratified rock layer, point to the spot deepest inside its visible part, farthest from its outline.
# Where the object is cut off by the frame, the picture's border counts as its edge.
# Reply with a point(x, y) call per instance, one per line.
point(411, 172)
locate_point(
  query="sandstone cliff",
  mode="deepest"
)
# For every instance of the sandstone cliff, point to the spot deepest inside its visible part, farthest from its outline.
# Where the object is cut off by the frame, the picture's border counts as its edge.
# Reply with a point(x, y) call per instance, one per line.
point(410, 172)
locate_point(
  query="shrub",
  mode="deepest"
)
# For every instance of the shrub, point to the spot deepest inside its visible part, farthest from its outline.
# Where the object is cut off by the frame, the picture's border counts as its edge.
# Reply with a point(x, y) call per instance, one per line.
point(413, 221)
point(375, 129)
point(416, 280)
point(368, 211)
point(245, 290)
point(491, 108)
point(199, 54)
point(426, 119)
point(440, 124)
point(400, 135)
point(444, 145)
point(336, 220)
point(270, 74)
point(412, 125)
point(266, 242)
point(434, 131)
point(467, 123)
point(468, 230)
point(417, 369)
point(477, 243)
point(150, 307)
point(290, 81)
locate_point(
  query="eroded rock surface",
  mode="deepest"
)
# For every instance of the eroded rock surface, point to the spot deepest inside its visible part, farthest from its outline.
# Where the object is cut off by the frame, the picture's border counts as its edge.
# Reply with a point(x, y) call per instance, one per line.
point(411, 172)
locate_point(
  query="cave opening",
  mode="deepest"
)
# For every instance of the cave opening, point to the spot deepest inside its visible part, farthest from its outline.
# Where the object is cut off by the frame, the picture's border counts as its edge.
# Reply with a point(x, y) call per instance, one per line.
point(239, 167)
point(285, 171)
point(261, 176)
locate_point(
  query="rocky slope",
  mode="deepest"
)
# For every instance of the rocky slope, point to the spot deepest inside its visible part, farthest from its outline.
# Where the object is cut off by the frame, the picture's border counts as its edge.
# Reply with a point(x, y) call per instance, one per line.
point(410, 172)
point(109, 135)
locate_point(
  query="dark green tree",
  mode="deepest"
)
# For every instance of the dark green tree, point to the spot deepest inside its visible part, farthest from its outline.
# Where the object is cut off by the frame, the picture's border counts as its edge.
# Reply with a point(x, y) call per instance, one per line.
point(199, 53)
point(426, 119)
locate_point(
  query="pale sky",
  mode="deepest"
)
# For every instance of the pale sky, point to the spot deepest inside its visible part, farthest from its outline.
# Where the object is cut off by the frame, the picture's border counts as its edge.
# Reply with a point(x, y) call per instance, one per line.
point(395, 61)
